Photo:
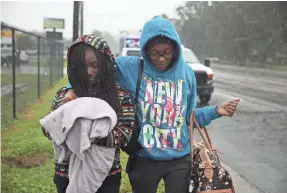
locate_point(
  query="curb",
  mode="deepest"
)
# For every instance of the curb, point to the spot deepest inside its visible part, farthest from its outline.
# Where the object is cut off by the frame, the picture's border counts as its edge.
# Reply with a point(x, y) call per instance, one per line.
point(240, 183)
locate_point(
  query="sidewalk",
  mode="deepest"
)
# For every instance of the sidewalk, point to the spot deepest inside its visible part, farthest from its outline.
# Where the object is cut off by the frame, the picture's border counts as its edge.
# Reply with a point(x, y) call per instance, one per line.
point(241, 185)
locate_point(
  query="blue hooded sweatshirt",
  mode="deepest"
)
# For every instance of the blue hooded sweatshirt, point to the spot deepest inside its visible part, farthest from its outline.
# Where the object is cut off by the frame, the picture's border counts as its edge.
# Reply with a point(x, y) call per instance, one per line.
point(166, 99)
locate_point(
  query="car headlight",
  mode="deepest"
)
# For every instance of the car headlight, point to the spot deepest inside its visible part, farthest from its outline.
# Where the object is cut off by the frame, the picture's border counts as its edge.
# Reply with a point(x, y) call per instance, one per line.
point(210, 76)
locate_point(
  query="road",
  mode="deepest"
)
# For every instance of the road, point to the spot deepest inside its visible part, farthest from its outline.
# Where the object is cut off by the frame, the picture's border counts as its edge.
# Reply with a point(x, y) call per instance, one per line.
point(254, 141)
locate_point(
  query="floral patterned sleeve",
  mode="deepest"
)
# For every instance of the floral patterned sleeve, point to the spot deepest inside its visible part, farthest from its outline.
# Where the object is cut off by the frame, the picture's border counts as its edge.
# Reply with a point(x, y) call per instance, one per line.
point(121, 134)
point(57, 102)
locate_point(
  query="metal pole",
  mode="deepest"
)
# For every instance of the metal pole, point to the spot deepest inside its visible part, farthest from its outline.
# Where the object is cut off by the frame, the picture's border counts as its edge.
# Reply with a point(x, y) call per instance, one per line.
point(14, 73)
point(38, 48)
point(62, 70)
point(54, 55)
point(76, 20)
point(62, 60)
point(82, 17)
point(50, 44)
point(58, 60)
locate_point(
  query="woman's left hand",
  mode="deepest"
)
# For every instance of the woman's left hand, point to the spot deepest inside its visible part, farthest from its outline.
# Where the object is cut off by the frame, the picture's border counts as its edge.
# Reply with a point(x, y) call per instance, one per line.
point(227, 108)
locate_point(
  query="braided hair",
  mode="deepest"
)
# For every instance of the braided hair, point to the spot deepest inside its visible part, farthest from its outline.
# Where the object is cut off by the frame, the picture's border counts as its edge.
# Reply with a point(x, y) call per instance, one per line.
point(105, 84)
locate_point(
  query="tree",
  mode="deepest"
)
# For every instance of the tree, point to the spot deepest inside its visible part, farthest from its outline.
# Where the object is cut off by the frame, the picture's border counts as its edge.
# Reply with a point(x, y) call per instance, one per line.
point(233, 30)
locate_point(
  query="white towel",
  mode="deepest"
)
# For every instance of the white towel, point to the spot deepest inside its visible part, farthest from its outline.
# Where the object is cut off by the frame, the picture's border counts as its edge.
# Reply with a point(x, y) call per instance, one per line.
point(72, 128)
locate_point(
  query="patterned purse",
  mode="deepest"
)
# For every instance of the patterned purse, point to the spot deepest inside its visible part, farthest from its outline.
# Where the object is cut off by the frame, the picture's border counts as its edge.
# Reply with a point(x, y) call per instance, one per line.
point(207, 174)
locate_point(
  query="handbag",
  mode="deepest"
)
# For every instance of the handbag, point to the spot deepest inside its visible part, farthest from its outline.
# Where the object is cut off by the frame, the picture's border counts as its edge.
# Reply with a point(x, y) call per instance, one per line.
point(207, 174)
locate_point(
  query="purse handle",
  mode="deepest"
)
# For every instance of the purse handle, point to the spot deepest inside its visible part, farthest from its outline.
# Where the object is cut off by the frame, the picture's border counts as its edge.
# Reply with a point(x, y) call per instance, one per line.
point(205, 138)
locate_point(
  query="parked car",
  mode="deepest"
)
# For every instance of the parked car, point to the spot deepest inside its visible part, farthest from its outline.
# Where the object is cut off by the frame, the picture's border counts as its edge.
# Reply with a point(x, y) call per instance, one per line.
point(203, 74)
point(24, 58)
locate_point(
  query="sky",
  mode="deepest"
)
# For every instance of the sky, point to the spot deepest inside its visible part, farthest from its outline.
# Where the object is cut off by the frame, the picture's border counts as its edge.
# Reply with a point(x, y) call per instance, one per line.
point(103, 15)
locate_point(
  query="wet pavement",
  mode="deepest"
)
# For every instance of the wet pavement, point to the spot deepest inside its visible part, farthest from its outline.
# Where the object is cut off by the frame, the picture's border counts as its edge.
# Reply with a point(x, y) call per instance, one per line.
point(254, 141)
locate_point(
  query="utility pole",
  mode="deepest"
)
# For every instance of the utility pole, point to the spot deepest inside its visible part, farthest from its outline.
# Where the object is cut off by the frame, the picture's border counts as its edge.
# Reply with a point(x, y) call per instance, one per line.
point(82, 17)
point(78, 23)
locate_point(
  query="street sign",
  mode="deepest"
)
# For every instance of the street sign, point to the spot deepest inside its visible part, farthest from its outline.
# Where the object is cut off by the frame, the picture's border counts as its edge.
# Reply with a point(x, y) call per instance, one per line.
point(55, 23)
point(54, 35)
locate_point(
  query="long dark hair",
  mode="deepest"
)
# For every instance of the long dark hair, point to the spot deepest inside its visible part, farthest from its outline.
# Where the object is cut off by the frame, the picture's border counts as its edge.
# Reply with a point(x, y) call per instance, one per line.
point(105, 87)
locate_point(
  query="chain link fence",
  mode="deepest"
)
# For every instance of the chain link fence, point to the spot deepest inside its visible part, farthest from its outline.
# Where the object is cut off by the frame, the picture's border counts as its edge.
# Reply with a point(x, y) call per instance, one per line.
point(30, 63)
